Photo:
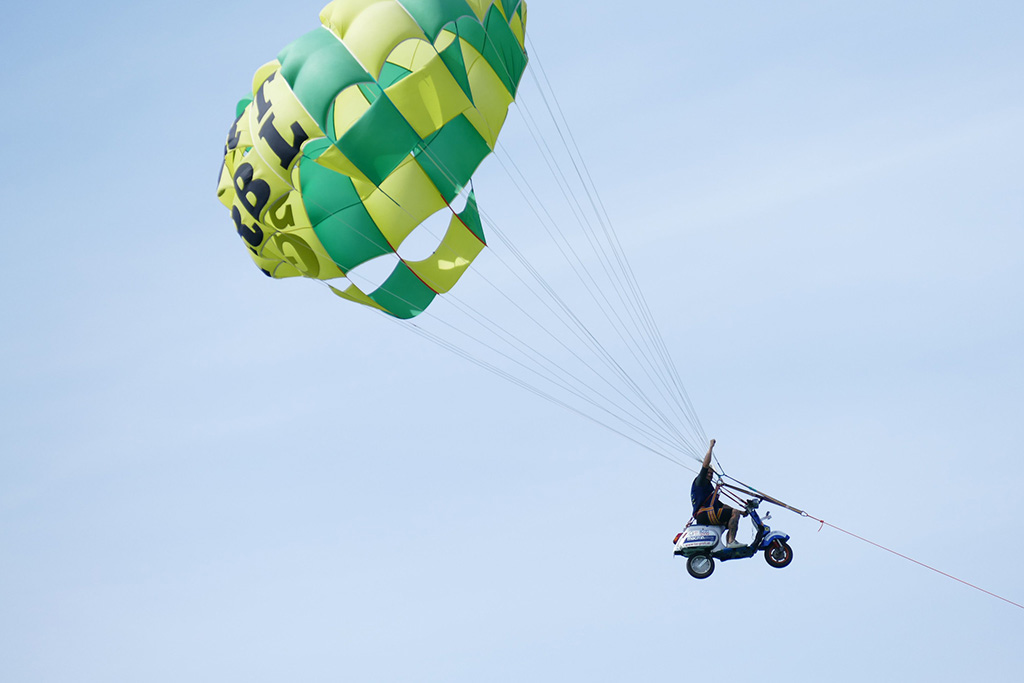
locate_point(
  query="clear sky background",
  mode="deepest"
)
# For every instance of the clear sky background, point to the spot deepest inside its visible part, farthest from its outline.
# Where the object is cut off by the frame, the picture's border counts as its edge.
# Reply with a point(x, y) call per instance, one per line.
point(206, 475)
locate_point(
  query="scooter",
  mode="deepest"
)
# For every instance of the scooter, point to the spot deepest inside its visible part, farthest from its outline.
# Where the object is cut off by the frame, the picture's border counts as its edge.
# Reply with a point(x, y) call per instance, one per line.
point(701, 545)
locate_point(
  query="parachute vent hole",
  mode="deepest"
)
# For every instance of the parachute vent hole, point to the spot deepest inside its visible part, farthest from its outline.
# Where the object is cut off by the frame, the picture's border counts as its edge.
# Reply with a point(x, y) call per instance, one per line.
point(423, 241)
point(372, 274)
point(340, 283)
point(425, 237)
point(458, 204)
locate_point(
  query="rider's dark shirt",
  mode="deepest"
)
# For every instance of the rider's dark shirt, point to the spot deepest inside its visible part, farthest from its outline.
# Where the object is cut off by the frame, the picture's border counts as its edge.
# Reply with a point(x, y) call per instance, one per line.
point(702, 490)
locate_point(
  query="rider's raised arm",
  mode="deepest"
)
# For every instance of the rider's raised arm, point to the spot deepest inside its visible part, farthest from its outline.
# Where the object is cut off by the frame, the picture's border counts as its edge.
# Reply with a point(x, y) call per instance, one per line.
point(707, 458)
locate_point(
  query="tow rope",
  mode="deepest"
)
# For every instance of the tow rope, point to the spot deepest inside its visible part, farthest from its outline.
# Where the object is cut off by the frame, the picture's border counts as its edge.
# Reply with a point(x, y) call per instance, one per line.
point(747, 489)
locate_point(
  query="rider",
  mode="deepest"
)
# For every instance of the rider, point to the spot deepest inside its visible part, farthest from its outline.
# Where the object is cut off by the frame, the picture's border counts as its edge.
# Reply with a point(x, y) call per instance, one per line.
point(707, 509)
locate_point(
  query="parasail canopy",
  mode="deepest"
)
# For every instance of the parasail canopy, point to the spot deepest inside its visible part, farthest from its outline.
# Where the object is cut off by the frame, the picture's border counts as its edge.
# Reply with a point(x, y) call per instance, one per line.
point(363, 129)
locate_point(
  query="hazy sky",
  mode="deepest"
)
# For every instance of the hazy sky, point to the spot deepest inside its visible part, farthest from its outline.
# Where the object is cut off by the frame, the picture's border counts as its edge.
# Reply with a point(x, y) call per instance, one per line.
point(206, 475)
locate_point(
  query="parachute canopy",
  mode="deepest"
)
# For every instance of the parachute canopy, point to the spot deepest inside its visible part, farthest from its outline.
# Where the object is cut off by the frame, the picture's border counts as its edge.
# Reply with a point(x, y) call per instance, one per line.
point(364, 128)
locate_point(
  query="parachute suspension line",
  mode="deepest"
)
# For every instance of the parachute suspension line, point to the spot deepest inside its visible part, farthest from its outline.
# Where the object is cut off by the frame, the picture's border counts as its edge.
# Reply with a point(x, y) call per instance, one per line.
point(617, 248)
point(596, 346)
point(598, 204)
point(621, 328)
point(615, 275)
point(581, 219)
point(661, 349)
point(577, 264)
point(640, 393)
point(718, 468)
point(610, 271)
point(562, 384)
point(582, 332)
point(599, 351)
point(618, 275)
point(546, 363)
point(443, 343)
point(640, 304)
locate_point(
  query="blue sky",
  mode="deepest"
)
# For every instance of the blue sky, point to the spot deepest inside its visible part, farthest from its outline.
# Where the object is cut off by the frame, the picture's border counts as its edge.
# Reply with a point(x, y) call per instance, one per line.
point(208, 475)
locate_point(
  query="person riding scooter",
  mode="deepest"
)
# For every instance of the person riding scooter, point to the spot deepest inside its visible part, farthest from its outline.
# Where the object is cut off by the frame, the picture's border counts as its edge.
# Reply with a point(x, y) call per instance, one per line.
point(707, 509)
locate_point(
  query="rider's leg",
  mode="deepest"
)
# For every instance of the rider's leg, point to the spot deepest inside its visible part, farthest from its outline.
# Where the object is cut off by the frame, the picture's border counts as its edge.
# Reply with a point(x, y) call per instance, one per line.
point(734, 524)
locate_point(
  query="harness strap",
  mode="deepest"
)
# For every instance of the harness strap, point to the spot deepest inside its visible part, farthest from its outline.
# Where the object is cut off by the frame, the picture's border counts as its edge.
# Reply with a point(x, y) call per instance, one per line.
point(713, 514)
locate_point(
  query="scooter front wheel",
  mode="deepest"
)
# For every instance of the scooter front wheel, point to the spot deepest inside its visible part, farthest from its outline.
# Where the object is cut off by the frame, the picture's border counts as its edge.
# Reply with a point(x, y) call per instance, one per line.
point(700, 566)
point(778, 554)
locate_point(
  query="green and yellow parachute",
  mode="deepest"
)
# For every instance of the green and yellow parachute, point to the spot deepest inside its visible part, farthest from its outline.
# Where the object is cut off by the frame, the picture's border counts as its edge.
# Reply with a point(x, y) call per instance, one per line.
point(365, 127)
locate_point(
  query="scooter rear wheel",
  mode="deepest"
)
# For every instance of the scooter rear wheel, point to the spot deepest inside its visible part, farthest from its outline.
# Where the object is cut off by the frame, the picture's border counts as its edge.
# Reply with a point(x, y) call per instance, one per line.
point(700, 566)
point(778, 554)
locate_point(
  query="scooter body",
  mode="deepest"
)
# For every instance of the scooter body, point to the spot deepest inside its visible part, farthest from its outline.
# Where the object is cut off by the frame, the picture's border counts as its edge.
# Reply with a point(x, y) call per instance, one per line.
point(702, 544)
